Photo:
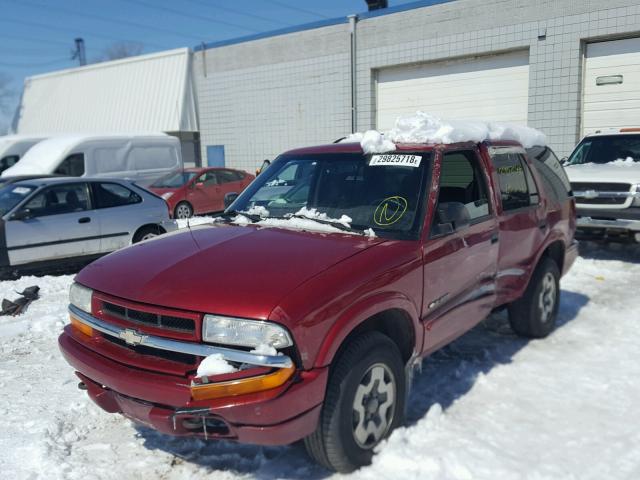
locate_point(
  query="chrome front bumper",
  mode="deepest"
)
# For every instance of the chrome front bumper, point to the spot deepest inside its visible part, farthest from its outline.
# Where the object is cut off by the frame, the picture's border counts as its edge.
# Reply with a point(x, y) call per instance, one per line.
point(133, 338)
point(588, 222)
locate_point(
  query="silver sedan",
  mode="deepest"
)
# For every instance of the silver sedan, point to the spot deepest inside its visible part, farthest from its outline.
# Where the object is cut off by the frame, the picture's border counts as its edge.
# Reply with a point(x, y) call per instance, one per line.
point(49, 223)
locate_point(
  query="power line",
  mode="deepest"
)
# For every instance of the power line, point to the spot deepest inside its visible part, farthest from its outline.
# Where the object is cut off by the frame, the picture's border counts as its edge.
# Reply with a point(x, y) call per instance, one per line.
point(298, 9)
point(35, 40)
point(239, 12)
point(34, 65)
point(105, 19)
point(196, 17)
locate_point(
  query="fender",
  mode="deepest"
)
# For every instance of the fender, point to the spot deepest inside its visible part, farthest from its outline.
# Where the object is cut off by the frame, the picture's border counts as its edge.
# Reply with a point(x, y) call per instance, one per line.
point(553, 237)
point(361, 311)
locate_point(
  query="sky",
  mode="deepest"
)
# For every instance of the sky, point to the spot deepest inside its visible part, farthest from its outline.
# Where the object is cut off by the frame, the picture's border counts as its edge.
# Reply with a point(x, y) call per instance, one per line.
point(37, 36)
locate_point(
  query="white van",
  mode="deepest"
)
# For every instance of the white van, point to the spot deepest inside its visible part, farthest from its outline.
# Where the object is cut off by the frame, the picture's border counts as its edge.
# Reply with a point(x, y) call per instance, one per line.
point(13, 147)
point(141, 158)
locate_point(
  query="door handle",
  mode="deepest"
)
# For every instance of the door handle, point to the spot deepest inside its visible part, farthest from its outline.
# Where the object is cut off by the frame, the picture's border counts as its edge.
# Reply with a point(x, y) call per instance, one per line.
point(542, 225)
point(84, 220)
point(494, 238)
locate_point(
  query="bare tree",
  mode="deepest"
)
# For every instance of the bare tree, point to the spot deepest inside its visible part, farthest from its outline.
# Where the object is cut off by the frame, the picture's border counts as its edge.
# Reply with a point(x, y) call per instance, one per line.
point(120, 50)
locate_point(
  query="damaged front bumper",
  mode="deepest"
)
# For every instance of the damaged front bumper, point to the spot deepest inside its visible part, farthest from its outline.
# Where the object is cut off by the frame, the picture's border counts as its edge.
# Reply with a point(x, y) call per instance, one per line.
point(270, 395)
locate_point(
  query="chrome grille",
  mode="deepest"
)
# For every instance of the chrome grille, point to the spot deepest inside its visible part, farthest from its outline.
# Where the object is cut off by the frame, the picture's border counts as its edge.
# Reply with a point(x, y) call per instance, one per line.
point(601, 188)
point(151, 319)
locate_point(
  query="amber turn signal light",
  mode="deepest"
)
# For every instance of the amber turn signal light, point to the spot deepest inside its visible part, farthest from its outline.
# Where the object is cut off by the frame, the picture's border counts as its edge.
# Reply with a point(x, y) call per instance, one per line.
point(241, 386)
point(81, 327)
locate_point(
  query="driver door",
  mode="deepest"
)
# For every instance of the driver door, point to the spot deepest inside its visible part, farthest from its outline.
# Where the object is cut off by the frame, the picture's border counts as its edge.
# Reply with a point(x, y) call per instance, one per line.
point(61, 225)
point(203, 193)
point(460, 263)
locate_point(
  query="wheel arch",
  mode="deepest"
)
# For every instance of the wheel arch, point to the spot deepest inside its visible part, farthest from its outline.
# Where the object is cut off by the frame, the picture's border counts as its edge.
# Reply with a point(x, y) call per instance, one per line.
point(155, 226)
point(395, 317)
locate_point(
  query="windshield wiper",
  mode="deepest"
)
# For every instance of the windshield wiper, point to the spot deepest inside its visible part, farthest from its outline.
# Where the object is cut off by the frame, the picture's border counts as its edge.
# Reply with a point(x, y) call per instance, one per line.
point(334, 223)
point(233, 213)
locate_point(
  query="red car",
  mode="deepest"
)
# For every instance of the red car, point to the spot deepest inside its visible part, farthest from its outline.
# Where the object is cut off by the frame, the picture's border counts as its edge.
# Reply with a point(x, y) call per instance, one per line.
point(303, 311)
point(199, 190)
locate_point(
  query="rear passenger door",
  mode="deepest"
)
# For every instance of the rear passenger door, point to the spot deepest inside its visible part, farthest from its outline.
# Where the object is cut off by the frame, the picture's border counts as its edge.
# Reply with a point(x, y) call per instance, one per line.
point(460, 265)
point(60, 224)
point(119, 214)
point(523, 224)
point(230, 182)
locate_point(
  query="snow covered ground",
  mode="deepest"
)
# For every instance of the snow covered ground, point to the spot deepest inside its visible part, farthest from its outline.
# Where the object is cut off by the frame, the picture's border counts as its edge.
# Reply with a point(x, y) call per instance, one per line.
point(490, 406)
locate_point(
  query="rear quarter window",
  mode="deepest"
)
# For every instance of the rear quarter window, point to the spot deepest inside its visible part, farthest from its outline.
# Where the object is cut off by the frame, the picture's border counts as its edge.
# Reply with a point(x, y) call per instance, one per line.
point(554, 179)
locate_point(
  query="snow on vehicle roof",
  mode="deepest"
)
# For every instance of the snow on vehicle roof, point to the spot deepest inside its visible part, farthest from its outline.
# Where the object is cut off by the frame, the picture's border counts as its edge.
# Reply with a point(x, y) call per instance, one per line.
point(44, 156)
point(424, 128)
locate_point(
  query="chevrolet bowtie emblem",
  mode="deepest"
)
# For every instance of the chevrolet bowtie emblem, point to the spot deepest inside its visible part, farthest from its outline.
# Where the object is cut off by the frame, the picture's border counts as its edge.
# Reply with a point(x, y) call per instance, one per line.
point(591, 194)
point(131, 337)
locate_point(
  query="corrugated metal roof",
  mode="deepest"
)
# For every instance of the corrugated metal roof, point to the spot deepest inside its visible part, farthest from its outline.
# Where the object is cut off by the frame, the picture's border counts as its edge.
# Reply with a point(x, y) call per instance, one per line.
point(145, 93)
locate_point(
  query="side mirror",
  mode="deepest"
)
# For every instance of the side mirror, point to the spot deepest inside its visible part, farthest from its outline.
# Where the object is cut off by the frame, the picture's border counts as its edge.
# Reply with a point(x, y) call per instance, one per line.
point(564, 160)
point(229, 198)
point(199, 185)
point(24, 214)
point(263, 167)
point(452, 216)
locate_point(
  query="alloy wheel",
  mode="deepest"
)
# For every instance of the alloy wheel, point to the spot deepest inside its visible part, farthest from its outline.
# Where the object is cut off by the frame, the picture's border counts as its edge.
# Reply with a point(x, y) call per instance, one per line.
point(374, 406)
point(548, 296)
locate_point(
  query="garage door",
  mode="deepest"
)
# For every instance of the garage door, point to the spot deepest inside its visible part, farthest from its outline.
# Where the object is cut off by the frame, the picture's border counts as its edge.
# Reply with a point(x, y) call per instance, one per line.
point(611, 85)
point(494, 88)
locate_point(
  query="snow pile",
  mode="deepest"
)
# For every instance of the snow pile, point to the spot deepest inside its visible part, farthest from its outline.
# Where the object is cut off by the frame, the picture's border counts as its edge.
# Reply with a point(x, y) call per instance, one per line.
point(258, 210)
point(314, 214)
point(624, 162)
point(370, 233)
point(264, 349)
point(214, 365)
point(426, 128)
point(308, 223)
point(194, 221)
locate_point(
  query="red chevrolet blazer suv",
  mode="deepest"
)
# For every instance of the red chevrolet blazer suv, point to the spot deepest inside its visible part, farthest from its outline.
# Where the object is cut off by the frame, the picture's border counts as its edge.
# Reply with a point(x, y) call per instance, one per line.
point(301, 312)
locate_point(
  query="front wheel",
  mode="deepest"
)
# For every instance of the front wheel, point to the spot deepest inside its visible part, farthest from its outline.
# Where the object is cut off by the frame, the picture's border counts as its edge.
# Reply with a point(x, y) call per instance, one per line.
point(534, 314)
point(364, 403)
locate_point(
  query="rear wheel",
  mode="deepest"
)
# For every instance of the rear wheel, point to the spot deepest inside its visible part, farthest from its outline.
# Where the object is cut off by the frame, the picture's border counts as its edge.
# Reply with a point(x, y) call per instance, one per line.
point(145, 233)
point(364, 403)
point(183, 210)
point(534, 314)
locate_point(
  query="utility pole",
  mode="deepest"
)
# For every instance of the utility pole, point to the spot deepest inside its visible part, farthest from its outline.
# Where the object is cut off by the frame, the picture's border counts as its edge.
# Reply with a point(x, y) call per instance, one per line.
point(79, 52)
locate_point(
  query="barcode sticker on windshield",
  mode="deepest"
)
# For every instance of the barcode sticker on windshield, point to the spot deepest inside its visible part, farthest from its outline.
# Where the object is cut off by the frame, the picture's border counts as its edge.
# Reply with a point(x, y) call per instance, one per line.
point(396, 160)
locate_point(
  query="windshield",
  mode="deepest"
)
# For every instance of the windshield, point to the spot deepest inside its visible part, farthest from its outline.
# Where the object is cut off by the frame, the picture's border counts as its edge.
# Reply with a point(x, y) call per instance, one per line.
point(381, 192)
point(606, 149)
point(174, 180)
point(12, 195)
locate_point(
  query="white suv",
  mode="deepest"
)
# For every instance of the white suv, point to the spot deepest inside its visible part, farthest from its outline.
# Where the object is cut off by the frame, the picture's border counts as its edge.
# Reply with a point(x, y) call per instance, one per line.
point(604, 171)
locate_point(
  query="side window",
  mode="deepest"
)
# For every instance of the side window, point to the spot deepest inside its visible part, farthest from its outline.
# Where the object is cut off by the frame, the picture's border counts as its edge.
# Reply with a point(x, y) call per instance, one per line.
point(110, 159)
point(226, 176)
point(8, 161)
point(517, 188)
point(72, 166)
point(149, 158)
point(114, 195)
point(462, 180)
point(554, 178)
point(209, 179)
point(59, 199)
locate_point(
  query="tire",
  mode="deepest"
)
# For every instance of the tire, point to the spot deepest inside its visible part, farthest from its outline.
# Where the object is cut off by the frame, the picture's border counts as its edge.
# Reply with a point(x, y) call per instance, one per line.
point(367, 380)
point(183, 210)
point(145, 233)
point(534, 314)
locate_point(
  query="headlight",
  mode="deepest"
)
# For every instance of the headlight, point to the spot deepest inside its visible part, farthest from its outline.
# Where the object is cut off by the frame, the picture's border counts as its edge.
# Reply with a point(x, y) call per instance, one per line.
point(167, 196)
point(80, 297)
point(244, 333)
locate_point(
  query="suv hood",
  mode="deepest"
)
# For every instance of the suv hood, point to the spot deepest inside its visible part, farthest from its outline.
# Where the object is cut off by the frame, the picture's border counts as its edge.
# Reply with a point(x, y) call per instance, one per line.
point(228, 270)
point(612, 172)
